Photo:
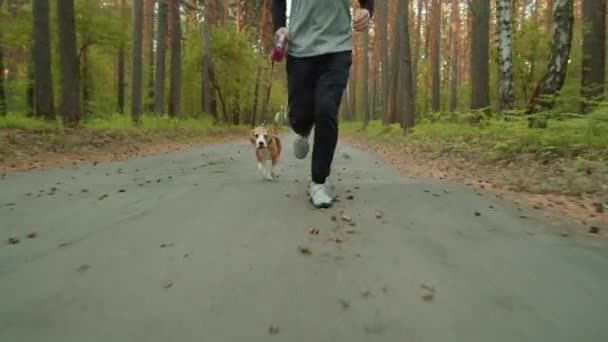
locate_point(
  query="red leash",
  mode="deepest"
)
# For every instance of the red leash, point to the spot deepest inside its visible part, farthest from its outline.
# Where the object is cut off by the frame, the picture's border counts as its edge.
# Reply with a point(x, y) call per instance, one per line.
point(277, 55)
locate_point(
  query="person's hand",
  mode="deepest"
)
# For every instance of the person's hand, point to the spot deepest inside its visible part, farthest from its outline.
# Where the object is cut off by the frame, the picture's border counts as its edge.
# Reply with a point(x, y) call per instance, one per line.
point(280, 34)
point(280, 44)
point(361, 19)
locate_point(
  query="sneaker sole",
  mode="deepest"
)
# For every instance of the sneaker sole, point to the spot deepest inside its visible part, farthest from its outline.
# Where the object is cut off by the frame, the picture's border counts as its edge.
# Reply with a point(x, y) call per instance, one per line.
point(321, 206)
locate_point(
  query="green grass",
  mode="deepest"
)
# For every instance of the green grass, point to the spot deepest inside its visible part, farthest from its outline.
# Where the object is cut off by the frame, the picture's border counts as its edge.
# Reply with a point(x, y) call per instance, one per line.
point(118, 122)
point(585, 137)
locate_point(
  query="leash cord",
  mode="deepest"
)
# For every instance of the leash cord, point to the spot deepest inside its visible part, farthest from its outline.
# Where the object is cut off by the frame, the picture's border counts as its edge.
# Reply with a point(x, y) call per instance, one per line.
point(268, 92)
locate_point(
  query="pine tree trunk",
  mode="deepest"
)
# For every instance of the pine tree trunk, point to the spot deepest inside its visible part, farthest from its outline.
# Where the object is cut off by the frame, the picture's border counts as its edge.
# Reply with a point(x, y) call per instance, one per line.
point(161, 51)
point(87, 88)
point(505, 54)
point(455, 51)
point(594, 53)
point(480, 39)
point(149, 39)
point(176, 59)
point(365, 77)
point(121, 62)
point(435, 58)
point(70, 92)
point(136, 83)
point(206, 67)
point(417, 43)
point(383, 29)
point(407, 79)
point(2, 89)
point(557, 68)
point(394, 71)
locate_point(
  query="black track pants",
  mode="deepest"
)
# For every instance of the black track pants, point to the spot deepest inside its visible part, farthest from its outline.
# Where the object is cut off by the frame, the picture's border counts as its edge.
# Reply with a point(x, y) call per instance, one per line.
point(315, 86)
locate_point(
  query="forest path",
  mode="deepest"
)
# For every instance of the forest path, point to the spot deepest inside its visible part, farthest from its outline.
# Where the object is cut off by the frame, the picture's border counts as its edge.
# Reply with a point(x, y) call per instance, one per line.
point(194, 246)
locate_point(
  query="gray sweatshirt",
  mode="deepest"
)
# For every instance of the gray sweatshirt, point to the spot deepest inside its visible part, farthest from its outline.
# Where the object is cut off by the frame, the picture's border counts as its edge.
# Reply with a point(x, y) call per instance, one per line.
point(317, 27)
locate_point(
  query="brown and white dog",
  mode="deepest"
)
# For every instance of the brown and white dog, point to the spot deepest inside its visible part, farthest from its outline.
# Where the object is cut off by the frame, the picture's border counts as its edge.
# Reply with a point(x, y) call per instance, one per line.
point(267, 147)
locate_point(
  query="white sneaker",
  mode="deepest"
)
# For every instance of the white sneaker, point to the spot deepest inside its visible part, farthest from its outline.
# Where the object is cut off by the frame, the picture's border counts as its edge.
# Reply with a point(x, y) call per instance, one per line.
point(318, 195)
point(300, 147)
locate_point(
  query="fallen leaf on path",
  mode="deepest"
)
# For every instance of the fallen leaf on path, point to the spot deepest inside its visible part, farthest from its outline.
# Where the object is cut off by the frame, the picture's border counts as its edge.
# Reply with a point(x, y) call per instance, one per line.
point(350, 197)
point(102, 197)
point(477, 213)
point(304, 250)
point(565, 234)
point(122, 190)
point(594, 230)
point(313, 231)
point(83, 268)
point(13, 241)
point(428, 293)
point(31, 235)
point(346, 218)
point(167, 284)
point(379, 214)
point(344, 303)
point(273, 330)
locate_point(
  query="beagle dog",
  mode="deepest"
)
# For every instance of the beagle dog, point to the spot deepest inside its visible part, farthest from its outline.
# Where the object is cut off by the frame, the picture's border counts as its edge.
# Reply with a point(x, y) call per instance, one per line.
point(267, 147)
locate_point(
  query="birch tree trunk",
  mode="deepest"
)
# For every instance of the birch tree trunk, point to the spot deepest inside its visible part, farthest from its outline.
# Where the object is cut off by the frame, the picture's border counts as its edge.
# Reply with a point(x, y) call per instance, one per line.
point(553, 81)
point(505, 53)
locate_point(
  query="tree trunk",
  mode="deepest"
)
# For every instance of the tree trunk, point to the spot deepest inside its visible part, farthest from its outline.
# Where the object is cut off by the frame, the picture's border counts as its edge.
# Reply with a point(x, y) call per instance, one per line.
point(594, 53)
point(176, 59)
point(70, 92)
point(383, 29)
point(407, 82)
point(136, 84)
point(553, 81)
point(480, 70)
point(121, 62)
point(505, 54)
point(206, 100)
point(87, 88)
point(417, 43)
point(149, 39)
point(435, 58)
point(161, 49)
point(2, 75)
point(365, 77)
point(455, 60)
point(394, 71)
point(29, 90)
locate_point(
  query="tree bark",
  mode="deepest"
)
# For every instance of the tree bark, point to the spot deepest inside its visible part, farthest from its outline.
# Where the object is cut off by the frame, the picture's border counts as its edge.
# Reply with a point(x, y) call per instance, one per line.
point(407, 82)
point(176, 60)
point(149, 39)
point(455, 50)
point(554, 79)
point(505, 53)
point(394, 71)
point(136, 84)
point(435, 36)
point(206, 100)
point(2, 76)
point(480, 70)
point(121, 62)
point(70, 92)
point(161, 50)
point(365, 82)
point(383, 30)
point(594, 53)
